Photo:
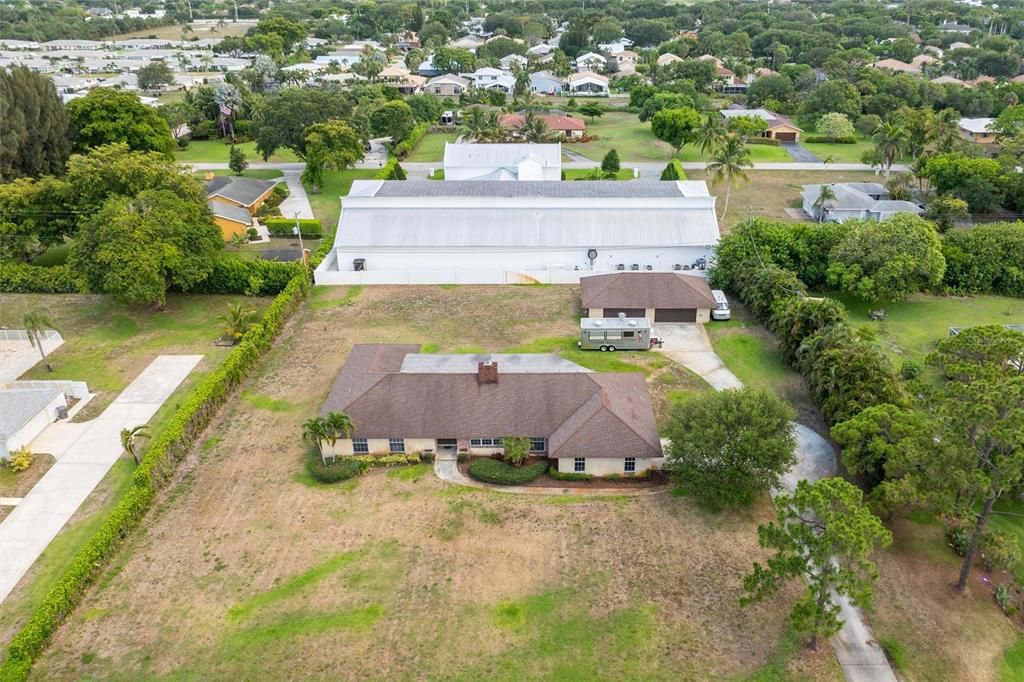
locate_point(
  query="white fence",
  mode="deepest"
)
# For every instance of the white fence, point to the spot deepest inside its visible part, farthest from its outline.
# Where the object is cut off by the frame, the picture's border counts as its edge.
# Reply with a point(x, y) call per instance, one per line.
point(17, 355)
point(335, 277)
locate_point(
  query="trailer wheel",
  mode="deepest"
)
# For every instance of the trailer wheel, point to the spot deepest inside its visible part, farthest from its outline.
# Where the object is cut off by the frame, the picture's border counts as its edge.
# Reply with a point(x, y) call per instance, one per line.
point(603, 348)
point(611, 349)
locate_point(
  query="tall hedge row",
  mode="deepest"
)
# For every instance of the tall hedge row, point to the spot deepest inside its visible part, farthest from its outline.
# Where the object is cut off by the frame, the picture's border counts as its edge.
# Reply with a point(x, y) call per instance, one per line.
point(845, 374)
point(985, 259)
point(230, 275)
point(166, 449)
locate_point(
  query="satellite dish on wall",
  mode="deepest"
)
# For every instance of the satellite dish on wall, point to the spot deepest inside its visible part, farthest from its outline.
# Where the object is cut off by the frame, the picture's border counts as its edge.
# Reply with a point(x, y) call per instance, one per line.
point(592, 254)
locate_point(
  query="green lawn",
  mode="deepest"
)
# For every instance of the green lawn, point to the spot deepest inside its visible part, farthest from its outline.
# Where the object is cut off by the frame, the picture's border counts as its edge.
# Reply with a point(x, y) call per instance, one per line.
point(582, 173)
point(912, 328)
point(215, 151)
point(839, 153)
point(261, 173)
point(750, 354)
point(431, 148)
point(624, 133)
point(327, 203)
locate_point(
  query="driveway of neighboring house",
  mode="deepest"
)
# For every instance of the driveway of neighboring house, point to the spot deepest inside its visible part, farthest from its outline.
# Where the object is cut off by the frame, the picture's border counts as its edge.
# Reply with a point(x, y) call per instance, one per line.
point(800, 154)
point(859, 655)
point(297, 201)
point(89, 450)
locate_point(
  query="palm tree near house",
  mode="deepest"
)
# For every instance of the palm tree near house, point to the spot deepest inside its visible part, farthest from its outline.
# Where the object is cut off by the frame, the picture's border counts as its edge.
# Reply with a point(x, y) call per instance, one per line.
point(534, 129)
point(130, 440)
point(314, 433)
point(890, 140)
point(339, 425)
point(727, 163)
point(36, 323)
point(946, 130)
point(825, 195)
point(494, 131)
point(710, 134)
point(475, 125)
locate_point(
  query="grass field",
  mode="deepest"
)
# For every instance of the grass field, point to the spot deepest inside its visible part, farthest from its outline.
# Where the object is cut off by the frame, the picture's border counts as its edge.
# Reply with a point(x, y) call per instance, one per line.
point(216, 151)
point(173, 32)
point(261, 173)
point(912, 327)
point(843, 153)
point(623, 132)
point(582, 173)
point(431, 148)
point(327, 203)
point(250, 571)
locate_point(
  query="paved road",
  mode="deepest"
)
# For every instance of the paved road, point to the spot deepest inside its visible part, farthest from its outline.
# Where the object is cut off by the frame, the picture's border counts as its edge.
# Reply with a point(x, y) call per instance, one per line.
point(859, 655)
point(90, 449)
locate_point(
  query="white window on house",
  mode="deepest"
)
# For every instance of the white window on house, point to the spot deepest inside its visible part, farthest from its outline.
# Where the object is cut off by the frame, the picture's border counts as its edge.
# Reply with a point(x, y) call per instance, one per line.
point(360, 446)
point(485, 442)
point(538, 445)
point(579, 465)
point(630, 465)
point(396, 444)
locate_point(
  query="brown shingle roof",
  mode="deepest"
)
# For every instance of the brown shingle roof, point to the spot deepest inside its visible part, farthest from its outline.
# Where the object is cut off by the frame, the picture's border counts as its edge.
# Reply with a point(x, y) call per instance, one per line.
point(646, 290)
point(581, 414)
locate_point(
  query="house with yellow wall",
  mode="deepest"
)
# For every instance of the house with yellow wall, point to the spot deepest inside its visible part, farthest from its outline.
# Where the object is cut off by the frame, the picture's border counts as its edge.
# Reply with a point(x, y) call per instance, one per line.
point(235, 200)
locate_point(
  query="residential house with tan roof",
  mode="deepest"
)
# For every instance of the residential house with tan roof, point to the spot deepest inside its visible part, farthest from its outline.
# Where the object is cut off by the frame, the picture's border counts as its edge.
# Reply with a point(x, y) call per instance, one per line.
point(588, 83)
point(658, 296)
point(586, 422)
point(779, 127)
point(447, 85)
point(230, 196)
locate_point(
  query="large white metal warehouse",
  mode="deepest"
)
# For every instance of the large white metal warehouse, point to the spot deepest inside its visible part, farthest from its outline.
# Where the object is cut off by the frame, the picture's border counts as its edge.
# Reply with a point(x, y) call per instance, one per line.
point(428, 232)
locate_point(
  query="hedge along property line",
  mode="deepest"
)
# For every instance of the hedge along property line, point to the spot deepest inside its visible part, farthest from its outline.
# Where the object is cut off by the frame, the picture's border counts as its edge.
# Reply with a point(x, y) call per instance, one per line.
point(284, 227)
point(230, 275)
point(158, 463)
point(405, 147)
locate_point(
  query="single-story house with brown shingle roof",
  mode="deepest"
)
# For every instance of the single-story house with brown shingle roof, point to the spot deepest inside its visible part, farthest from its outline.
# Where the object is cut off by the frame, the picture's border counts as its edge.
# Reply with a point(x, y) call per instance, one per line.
point(401, 400)
point(556, 124)
point(658, 296)
point(778, 127)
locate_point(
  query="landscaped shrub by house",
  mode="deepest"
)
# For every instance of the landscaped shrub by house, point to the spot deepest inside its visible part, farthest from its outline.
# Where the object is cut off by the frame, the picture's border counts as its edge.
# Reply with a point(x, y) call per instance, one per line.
point(554, 473)
point(767, 141)
point(392, 171)
point(165, 450)
point(22, 278)
point(499, 473)
point(285, 227)
point(20, 460)
point(396, 459)
point(340, 469)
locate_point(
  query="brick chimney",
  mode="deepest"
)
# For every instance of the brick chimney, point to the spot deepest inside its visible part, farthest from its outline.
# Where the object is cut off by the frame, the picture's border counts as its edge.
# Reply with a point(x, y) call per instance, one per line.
point(487, 372)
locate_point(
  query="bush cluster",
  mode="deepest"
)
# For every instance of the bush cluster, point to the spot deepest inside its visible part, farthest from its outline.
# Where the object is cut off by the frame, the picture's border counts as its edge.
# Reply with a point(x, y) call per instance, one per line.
point(162, 455)
point(766, 141)
point(22, 278)
point(405, 147)
point(284, 227)
point(391, 171)
point(20, 460)
point(499, 473)
point(568, 475)
point(395, 459)
point(985, 259)
point(340, 469)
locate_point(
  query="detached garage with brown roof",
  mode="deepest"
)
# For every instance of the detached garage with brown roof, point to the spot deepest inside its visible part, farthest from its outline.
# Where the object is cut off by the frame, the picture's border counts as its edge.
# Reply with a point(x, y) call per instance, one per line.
point(658, 296)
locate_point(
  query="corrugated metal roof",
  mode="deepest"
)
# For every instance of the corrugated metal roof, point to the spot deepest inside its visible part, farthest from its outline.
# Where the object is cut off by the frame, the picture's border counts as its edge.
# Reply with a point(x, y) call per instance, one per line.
point(595, 189)
point(581, 227)
point(500, 155)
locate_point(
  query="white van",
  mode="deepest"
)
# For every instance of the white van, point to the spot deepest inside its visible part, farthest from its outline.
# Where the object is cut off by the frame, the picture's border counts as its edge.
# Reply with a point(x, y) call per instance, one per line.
point(721, 310)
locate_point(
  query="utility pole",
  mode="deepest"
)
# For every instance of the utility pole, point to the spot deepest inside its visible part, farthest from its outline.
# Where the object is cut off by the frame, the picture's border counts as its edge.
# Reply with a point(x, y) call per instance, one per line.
point(235, 2)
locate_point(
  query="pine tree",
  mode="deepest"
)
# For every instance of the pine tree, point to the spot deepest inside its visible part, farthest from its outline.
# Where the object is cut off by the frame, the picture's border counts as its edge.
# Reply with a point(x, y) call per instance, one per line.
point(610, 163)
point(34, 134)
point(236, 160)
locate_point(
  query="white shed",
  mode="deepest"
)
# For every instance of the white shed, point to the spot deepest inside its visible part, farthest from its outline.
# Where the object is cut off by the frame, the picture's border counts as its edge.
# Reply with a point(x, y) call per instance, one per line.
point(465, 161)
point(24, 413)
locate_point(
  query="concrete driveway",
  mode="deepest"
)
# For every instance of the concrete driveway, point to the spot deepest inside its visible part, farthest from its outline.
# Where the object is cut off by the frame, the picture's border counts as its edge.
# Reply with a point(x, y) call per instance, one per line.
point(689, 345)
point(84, 454)
point(800, 154)
point(297, 201)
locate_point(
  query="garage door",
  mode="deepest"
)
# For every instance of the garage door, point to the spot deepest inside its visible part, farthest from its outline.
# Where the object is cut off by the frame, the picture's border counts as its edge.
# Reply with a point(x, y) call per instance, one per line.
point(785, 137)
point(675, 315)
point(630, 312)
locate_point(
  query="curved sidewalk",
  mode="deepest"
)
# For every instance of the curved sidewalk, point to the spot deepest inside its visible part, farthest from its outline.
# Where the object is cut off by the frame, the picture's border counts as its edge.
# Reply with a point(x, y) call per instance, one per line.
point(447, 469)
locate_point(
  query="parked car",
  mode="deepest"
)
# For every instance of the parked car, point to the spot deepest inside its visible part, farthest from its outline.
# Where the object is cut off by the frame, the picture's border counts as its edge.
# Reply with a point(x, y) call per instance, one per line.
point(721, 310)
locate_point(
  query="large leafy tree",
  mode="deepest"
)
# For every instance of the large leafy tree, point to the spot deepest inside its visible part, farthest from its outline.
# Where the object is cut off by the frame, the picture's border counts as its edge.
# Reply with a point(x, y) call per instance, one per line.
point(136, 248)
point(887, 260)
point(831, 96)
point(155, 75)
point(823, 535)
point(729, 447)
point(107, 116)
point(33, 126)
point(976, 455)
point(34, 215)
point(330, 146)
point(288, 113)
point(676, 126)
point(393, 119)
point(291, 33)
point(881, 433)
